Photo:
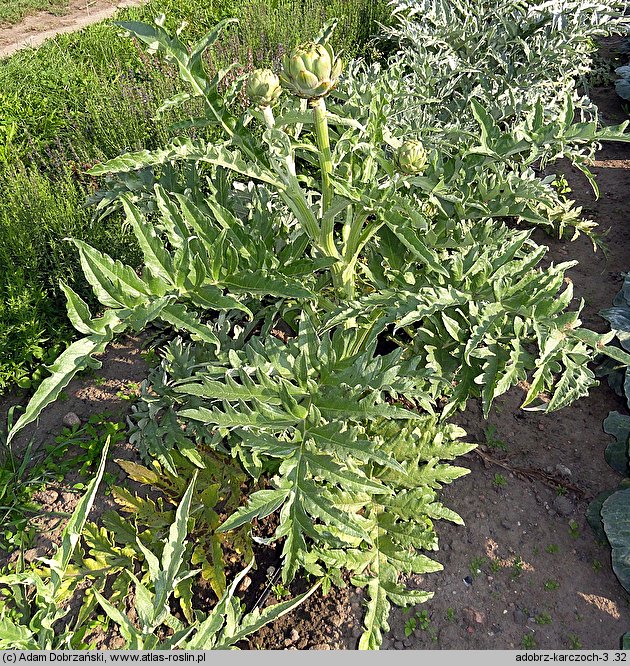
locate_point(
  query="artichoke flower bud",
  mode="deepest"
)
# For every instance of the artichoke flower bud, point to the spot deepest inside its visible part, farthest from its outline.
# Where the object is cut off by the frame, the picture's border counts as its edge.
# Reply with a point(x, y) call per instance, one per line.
point(411, 157)
point(263, 87)
point(311, 70)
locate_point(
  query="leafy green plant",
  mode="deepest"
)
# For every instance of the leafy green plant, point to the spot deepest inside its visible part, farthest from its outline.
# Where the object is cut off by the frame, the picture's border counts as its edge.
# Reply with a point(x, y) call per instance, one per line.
point(528, 642)
point(342, 289)
point(218, 490)
point(82, 97)
point(492, 440)
point(85, 442)
point(499, 480)
point(551, 584)
point(543, 619)
point(16, 500)
point(280, 591)
point(219, 630)
point(622, 84)
point(608, 513)
point(420, 620)
point(34, 629)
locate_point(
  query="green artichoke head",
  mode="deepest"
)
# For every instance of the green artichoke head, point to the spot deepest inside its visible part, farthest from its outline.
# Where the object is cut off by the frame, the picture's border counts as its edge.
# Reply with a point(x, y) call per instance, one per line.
point(411, 157)
point(311, 70)
point(263, 87)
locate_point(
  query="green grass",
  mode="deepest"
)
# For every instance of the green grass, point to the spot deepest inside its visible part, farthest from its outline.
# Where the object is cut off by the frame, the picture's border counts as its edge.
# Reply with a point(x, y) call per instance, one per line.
point(12, 11)
point(92, 95)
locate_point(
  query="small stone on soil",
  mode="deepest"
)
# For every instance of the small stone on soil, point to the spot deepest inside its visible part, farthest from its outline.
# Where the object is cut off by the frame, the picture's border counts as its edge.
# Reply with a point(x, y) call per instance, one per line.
point(71, 419)
point(519, 616)
point(399, 645)
point(473, 616)
point(563, 505)
point(563, 470)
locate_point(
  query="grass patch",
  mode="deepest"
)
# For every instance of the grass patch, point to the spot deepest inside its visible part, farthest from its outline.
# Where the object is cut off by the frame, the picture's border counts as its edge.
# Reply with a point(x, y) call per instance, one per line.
point(12, 11)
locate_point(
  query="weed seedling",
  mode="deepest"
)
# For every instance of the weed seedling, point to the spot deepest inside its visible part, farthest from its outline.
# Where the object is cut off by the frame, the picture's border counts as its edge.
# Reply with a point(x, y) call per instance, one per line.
point(499, 480)
point(492, 441)
point(574, 529)
point(495, 566)
point(574, 642)
point(450, 614)
point(552, 548)
point(528, 642)
point(475, 566)
point(410, 626)
point(561, 490)
point(280, 591)
point(597, 566)
point(424, 621)
point(551, 584)
point(543, 618)
point(518, 566)
point(89, 439)
point(420, 620)
point(130, 391)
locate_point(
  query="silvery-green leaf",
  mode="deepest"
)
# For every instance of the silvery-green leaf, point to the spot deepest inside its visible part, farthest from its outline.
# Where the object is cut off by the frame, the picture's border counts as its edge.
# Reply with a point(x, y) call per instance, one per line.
point(617, 453)
point(616, 517)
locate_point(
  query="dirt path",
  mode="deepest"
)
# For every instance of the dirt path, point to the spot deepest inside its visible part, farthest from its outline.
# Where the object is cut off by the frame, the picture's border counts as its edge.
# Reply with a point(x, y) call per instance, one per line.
point(37, 28)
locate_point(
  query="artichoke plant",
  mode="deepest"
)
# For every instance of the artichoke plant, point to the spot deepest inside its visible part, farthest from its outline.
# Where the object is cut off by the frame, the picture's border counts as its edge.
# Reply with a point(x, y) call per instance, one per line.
point(263, 87)
point(311, 70)
point(411, 157)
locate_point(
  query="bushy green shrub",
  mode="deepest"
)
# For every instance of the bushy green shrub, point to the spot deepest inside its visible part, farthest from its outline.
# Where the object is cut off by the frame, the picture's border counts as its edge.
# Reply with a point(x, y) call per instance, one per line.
point(88, 96)
point(344, 289)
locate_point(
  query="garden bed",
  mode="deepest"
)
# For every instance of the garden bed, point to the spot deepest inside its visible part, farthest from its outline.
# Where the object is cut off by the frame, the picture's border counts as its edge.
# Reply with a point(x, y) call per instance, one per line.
point(525, 571)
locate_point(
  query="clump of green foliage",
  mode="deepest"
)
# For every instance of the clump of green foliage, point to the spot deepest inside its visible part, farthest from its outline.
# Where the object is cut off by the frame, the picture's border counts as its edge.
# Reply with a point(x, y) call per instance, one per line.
point(84, 97)
point(340, 281)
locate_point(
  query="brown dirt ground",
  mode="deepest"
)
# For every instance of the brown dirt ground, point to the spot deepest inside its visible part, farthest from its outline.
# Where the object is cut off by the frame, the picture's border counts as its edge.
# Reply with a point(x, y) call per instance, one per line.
point(526, 566)
point(38, 27)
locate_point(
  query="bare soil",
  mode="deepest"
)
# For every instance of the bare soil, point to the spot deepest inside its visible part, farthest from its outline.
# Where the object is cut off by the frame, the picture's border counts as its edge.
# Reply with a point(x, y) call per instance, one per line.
point(526, 570)
point(37, 28)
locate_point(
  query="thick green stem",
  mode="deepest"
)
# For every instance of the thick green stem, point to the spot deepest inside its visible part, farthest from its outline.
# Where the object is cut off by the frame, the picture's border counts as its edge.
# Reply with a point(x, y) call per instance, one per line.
point(270, 121)
point(354, 236)
point(323, 144)
point(327, 239)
